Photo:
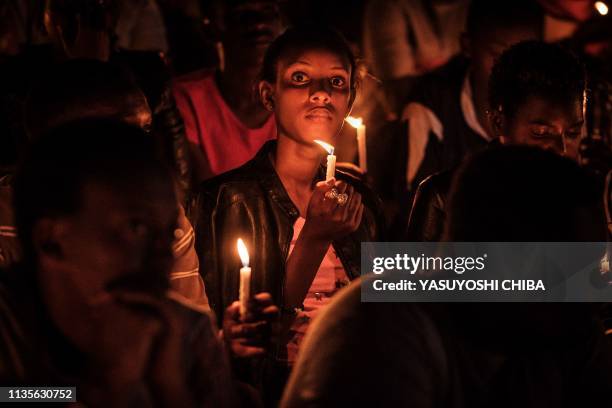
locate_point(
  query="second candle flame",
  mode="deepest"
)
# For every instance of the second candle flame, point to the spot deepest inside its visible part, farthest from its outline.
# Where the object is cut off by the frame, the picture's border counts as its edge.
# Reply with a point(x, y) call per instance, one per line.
point(602, 8)
point(243, 253)
point(354, 122)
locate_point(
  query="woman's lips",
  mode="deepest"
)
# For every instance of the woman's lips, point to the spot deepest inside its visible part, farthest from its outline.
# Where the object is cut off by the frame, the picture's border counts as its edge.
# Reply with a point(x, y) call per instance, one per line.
point(319, 114)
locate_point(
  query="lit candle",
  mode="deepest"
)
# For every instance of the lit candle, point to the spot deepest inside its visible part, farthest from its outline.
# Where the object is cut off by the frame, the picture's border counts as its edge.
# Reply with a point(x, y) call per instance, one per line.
point(331, 159)
point(245, 277)
point(601, 7)
point(357, 123)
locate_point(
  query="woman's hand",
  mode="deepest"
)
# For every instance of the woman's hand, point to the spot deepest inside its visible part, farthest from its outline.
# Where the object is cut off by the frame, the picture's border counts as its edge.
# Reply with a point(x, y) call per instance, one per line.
point(327, 218)
point(250, 336)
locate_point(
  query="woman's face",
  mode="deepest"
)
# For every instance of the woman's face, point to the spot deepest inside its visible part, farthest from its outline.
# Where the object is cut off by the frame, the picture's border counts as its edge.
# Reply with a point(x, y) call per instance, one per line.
point(543, 123)
point(311, 96)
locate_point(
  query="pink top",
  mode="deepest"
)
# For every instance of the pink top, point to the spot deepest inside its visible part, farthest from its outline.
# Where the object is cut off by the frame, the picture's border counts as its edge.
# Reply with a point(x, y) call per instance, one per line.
point(210, 124)
point(330, 278)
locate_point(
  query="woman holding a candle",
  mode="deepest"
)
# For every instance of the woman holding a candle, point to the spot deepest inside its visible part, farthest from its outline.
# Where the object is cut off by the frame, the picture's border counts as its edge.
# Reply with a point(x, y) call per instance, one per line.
point(303, 230)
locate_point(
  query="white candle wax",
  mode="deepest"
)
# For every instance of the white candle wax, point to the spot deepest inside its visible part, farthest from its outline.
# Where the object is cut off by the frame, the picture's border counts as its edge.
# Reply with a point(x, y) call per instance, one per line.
point(357, 123)
point(361, 148)
point(331, 159)
point(245, 289)
point(331, 167)
point(245, 278)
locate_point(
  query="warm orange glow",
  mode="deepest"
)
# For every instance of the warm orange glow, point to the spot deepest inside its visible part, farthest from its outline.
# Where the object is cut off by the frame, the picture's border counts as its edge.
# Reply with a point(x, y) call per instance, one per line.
point(243, 253)
point(354, 122)
point(602, 8)
point(328, 148)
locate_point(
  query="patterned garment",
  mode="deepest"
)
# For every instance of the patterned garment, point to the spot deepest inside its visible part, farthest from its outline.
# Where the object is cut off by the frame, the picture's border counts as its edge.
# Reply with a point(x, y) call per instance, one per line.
point(329, 279)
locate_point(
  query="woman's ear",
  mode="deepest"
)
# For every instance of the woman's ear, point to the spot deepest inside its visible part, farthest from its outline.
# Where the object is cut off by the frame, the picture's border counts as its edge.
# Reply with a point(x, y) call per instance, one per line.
point(266, 95)
point(497, 121)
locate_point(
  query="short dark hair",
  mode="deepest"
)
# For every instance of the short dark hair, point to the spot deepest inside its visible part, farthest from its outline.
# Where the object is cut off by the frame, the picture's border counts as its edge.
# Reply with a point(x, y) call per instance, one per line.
point(75, 90)
point(305, 37)
point(50, 179)
point(486, 16)
point(534, 68)
point(520, 193)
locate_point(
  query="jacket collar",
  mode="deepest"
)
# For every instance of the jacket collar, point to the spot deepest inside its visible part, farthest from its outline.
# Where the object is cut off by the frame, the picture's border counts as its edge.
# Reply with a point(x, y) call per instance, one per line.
point(262, 165)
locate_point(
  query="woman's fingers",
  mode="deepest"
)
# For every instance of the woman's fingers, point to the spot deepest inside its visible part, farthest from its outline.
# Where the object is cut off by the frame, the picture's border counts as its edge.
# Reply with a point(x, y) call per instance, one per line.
point(330, 218)
point(246, 330)
point(258, 313)
point(240, 350)
point(270, 310)
point(322, 200)
point(232, 312)
point(342, 209)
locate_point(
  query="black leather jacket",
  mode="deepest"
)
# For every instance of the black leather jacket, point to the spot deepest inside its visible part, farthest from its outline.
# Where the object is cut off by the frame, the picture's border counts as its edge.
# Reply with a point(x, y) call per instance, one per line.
point(251, 203)
point(428, 214)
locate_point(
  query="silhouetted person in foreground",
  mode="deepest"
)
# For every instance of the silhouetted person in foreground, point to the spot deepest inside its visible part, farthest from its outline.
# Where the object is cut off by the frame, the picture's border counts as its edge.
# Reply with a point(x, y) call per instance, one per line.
point(89, 305)
point(471, 354)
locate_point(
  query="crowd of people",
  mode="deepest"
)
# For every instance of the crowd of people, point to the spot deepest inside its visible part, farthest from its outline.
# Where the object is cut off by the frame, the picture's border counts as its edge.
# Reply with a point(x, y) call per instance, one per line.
point(141, 139)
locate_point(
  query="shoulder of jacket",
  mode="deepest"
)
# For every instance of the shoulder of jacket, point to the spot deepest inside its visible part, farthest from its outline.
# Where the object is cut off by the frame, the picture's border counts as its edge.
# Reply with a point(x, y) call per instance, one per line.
point(230, 187)
point(436, 184)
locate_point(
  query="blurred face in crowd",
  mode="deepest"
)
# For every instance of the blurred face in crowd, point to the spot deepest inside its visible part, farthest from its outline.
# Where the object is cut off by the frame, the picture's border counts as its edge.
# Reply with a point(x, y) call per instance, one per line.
point(249, 27)
point(311, 96)
point(82, 32)
point(577, 10)
point(546, 124)
point(484, 48)
point(120, 236)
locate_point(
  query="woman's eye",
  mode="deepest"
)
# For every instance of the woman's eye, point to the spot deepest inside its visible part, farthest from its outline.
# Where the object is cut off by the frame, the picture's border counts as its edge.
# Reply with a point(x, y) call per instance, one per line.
point(338, 82)
point(539, 131)
point(299, 77)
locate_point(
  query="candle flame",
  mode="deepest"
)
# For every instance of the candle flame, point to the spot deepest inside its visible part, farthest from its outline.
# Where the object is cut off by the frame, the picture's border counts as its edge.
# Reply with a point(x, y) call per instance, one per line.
point(328, 148)
point(602, 8)
point(354, 122)
point(243, 253)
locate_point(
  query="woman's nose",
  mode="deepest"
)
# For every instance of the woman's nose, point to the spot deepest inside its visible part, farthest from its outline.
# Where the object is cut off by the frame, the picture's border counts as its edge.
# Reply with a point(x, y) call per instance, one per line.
point(557, 145)
point(320, 92)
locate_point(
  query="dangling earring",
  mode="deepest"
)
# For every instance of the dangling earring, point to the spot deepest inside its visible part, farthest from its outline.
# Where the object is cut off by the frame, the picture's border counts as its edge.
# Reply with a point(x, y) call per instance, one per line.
point(270, 104)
